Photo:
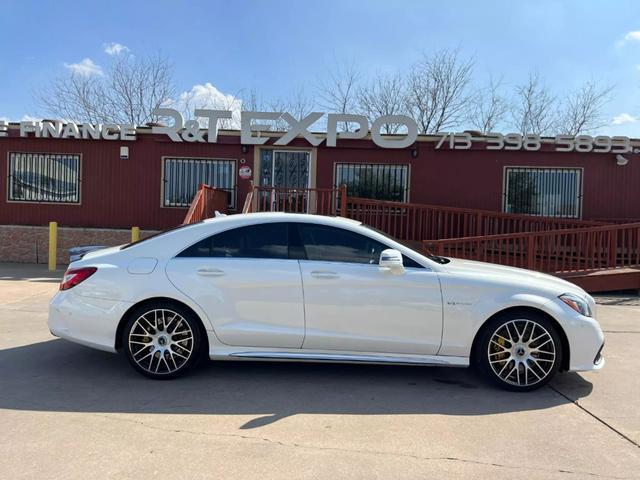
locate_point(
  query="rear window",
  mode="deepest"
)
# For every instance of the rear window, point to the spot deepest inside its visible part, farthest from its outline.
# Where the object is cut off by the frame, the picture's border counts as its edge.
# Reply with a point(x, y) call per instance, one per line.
point(159, 234)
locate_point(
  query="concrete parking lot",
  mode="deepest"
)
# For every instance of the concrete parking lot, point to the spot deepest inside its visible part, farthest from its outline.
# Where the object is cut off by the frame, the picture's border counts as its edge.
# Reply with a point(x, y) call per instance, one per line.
point(71, 412)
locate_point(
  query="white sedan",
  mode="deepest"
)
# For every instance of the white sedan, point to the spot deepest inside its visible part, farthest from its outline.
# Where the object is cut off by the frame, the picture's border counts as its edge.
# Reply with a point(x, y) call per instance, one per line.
point(277, 286)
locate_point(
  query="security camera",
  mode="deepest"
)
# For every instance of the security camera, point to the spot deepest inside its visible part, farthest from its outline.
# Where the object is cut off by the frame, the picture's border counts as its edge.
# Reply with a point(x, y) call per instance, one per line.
point(622, 161)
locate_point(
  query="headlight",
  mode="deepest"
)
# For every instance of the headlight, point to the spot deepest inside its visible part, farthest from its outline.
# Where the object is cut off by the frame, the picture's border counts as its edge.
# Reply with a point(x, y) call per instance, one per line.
point(580, 305)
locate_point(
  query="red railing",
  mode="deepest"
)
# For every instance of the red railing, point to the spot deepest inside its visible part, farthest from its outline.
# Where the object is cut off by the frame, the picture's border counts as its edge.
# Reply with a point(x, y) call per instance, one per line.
point(205, 203)
point(557, 251)
point(319, 201)
point(417, 222)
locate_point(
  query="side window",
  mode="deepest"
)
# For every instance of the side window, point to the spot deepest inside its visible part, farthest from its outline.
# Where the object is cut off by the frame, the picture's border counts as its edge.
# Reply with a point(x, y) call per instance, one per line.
point(409, 263)
point(267, 240)
point(331, 244)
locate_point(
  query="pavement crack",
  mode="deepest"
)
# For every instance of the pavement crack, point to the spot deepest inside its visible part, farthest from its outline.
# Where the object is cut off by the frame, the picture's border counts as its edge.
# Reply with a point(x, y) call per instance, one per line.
point(593, 415)
point(355, 450)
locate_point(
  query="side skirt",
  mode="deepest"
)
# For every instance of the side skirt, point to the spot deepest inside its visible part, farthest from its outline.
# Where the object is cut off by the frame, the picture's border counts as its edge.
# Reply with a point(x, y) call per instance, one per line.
point(433, 360)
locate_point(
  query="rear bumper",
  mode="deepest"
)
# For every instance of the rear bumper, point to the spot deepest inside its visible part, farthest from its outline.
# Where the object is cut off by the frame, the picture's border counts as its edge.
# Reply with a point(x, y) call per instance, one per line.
point(86, 320)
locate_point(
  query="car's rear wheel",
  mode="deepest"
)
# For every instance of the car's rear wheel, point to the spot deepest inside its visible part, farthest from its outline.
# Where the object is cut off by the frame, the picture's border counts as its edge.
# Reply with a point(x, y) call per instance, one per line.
point(162, 340)
point(519, 351)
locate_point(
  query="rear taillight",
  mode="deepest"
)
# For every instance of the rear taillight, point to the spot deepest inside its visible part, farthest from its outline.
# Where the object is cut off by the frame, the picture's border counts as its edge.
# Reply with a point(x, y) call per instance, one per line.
point(76, 276)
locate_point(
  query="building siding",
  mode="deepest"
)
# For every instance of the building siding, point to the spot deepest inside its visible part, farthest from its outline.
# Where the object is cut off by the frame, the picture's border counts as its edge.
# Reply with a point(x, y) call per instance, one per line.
point(119, 193)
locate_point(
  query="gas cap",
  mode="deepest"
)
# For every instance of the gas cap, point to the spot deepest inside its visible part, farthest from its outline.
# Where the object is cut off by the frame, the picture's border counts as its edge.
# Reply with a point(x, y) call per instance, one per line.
point(142, 265)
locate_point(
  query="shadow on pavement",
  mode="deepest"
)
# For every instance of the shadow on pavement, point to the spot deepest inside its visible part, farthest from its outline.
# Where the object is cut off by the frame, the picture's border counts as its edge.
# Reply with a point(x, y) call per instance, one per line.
point(59, 376)
point(37, 273)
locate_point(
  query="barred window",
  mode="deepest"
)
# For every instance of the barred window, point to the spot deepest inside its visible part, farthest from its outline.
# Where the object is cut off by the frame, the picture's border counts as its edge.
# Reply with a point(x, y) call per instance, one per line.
point(44, 177)
point(378, 181)
point(183, 176)
point(549, 192)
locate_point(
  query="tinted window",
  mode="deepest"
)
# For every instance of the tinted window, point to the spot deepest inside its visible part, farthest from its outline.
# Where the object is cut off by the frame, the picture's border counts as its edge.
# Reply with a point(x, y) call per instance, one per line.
point(331, 244)
point(268, 240)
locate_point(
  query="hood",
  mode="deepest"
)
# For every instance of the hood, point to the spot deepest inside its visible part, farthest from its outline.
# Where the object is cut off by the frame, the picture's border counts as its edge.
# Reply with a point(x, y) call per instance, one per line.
point(519, 276)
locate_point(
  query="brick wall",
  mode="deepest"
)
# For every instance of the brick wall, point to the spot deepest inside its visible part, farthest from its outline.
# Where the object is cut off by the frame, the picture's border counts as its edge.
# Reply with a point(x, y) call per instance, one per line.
point(25, 244)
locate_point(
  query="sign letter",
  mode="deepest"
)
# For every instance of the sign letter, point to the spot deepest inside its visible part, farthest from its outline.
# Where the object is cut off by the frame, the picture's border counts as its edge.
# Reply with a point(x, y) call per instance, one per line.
point(408, 139)
point(171, 131)
point(246, 129)
point(332, 127)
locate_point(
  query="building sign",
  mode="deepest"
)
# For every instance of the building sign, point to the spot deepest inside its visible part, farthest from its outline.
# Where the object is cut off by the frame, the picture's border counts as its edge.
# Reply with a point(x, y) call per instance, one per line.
point(532, 143)
point(192, 131)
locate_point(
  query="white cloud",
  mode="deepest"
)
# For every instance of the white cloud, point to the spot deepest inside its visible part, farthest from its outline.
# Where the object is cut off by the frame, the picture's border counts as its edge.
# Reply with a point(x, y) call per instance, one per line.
point(633, 36)
point(624, 118)
point(85, 67)
point(25, 118)
point(208, 96)
point(114, 48)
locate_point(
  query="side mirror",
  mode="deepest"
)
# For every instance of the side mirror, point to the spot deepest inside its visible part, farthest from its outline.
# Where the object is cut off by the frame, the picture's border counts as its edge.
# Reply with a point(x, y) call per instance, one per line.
point(391, 261)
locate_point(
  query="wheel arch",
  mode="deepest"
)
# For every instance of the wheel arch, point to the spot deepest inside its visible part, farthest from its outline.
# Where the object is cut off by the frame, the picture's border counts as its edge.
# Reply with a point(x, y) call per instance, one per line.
point(151, 301)
point(566, 352)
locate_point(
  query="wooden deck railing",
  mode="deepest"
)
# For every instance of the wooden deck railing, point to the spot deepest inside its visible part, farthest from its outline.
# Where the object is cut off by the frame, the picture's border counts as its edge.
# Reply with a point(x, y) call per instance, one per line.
point(418, 222)
point(205, 203)
point(319, 201)
point(248, 202)
point(557, 251)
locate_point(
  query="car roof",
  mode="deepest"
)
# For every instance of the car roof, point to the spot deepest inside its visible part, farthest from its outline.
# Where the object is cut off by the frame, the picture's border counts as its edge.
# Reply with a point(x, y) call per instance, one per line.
point(251, 218)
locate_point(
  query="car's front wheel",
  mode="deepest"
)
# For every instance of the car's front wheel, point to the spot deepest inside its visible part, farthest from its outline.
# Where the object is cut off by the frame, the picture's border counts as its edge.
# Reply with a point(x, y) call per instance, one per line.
point(519, 351)
point(162, 341)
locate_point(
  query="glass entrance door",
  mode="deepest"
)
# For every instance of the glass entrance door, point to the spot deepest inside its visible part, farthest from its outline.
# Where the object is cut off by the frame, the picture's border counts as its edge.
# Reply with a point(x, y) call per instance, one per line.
point(287, 172)
point(284, 169)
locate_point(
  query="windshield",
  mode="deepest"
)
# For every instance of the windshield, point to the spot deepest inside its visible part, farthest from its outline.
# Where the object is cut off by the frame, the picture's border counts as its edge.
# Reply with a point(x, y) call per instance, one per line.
point(155, 235)
point(430, 256)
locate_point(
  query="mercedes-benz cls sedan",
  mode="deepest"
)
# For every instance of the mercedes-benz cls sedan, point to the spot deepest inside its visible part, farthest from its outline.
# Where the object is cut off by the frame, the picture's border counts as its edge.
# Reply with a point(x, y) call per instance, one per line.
point(277, 286)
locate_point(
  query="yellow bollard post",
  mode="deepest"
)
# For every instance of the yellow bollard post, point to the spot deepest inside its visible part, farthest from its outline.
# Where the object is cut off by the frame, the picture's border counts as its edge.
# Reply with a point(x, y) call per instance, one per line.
point(53, 245)
point(135, 234)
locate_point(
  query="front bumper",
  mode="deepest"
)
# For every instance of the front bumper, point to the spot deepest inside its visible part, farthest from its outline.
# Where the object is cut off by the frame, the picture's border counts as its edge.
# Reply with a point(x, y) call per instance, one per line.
point(86, 320)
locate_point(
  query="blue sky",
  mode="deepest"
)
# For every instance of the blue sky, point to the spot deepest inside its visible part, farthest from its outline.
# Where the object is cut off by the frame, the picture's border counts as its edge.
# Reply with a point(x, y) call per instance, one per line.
point(275, 47)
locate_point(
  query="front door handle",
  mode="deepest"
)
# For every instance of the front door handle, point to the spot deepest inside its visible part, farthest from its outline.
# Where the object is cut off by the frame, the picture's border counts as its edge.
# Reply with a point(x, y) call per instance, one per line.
point(210, 272)
point(324, 274)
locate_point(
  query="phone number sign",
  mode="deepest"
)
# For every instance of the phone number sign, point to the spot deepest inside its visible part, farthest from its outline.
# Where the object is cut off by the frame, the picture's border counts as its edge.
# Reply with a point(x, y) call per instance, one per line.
point(532, 143)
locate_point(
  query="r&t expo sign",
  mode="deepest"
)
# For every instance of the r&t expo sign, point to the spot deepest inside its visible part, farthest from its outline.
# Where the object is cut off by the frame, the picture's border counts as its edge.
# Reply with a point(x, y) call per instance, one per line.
point(192, 131)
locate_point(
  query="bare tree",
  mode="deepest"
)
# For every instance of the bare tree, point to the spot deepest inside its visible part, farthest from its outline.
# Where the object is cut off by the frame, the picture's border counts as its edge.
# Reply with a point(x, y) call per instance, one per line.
point(582, 110)
point(385, 95)
point(338, 93)
point(298, 103)
point(489, 107)
point(535, 108)
point(437, 94)
point(128, 92)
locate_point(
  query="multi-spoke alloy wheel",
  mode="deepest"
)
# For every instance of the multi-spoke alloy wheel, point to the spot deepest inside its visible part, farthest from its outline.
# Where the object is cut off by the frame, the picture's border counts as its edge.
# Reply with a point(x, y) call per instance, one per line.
point(161, 342)
point(520, 353)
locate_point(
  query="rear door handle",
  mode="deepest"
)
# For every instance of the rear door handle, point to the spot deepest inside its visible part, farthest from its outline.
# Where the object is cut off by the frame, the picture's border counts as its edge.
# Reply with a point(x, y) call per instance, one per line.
point(210, 272)
point(324, 274)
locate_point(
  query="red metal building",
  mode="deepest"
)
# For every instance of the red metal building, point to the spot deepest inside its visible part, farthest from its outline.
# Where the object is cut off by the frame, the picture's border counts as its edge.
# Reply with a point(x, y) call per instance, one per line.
point(154, 185)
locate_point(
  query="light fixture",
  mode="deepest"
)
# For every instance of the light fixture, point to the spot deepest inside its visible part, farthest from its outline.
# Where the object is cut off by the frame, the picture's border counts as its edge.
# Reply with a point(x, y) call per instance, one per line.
point(245, 149)
point(622, 161)
point(414, 153)
point(124, 153)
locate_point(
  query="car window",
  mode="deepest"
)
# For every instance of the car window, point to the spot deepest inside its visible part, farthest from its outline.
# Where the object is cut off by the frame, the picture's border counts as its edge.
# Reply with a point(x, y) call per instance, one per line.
point(159, 234)
point(331, 244)
point(267, 240)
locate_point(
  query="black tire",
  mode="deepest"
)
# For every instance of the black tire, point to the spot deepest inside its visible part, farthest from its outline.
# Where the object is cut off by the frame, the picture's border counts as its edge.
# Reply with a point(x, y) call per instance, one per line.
point(514, 364)
point(168, 350)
